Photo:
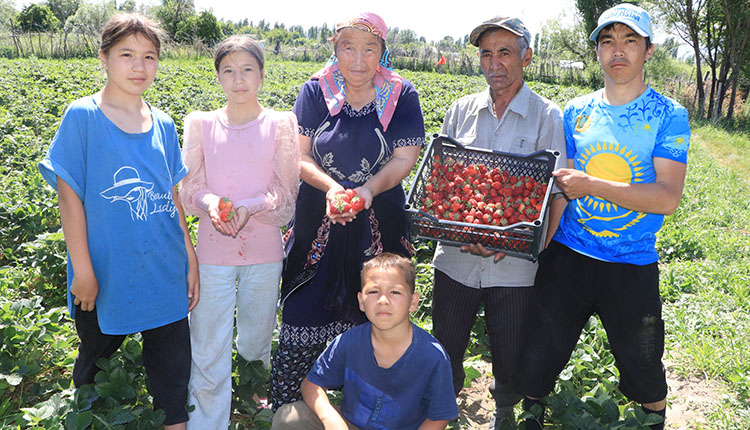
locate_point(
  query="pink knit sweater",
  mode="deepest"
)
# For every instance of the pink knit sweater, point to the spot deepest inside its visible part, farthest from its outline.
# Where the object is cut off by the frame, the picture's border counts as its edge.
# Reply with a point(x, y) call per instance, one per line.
point(256, 165)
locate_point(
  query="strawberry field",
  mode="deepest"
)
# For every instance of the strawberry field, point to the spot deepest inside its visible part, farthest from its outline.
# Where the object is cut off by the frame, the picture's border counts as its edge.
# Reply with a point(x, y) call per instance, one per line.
point(704, 249)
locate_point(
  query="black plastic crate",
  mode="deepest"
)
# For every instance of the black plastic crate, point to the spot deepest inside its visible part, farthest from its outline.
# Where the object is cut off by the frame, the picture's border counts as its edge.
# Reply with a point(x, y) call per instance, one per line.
point(522, 239)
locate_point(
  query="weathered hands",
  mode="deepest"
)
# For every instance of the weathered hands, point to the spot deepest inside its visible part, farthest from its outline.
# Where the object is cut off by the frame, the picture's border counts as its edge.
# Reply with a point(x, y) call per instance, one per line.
point(478, 249)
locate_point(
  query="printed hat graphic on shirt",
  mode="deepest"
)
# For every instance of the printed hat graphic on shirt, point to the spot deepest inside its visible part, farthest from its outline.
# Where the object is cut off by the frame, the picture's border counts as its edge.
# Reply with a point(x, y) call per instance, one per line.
point(126, 178)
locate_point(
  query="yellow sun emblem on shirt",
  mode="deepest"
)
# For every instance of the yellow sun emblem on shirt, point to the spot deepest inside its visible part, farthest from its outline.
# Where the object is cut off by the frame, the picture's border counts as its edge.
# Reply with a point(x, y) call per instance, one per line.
point(614, 162)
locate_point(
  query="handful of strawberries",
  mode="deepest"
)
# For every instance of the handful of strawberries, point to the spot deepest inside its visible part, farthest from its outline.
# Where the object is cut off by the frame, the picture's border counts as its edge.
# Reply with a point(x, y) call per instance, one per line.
point(476, 194)
point(346, 201)
point(226, 211)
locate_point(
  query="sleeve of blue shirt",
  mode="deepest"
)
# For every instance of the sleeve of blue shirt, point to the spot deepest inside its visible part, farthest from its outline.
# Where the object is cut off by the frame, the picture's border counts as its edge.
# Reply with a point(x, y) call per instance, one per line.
point(329, 369)
point(407, 122)
point(66, 157)
point(177, 166)
point(440, 390)
point(673, 137)
point(310, 106)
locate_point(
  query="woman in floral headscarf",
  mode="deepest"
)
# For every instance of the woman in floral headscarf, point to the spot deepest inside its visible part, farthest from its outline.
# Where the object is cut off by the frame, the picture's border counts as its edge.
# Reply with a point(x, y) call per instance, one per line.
point(361, 127)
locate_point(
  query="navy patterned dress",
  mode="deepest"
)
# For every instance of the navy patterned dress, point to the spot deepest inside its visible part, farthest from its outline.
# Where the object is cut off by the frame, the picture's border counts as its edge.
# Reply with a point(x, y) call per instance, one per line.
point(321, 278)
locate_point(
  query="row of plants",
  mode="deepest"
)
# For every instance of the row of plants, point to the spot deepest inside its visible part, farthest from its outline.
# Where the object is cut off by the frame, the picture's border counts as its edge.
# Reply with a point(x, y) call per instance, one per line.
point(704, 246)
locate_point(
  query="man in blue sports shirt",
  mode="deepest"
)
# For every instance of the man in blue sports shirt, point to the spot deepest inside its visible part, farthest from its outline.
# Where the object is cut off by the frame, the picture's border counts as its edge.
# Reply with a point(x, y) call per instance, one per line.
point(627, 149)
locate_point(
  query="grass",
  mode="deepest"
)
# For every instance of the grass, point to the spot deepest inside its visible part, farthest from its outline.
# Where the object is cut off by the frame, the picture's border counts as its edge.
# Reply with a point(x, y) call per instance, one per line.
point(730, 148)
point(705, 271)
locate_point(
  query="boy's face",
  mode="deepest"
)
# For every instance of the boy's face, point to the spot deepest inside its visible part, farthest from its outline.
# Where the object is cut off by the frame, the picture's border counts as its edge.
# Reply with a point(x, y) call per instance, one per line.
point(622, 53)
point(386, 298)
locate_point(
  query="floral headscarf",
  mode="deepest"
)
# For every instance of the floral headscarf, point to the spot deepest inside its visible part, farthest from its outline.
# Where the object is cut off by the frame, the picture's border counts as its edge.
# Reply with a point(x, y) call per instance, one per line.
point(387, 81)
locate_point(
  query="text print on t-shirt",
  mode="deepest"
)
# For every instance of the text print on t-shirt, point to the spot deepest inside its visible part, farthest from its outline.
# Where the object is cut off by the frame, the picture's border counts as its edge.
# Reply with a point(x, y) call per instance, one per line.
point(128, 187)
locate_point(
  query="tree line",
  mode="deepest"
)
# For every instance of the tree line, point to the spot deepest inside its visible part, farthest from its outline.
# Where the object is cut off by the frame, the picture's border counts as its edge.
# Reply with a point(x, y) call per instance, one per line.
point(716, 75)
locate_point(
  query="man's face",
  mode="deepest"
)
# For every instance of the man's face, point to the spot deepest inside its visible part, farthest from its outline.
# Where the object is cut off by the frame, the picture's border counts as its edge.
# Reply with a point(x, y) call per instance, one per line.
point(622, 53)
point(500, 60)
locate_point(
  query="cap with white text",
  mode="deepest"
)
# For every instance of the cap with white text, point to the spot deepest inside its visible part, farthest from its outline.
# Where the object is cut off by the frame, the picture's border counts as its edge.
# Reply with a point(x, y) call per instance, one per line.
point(628, 14)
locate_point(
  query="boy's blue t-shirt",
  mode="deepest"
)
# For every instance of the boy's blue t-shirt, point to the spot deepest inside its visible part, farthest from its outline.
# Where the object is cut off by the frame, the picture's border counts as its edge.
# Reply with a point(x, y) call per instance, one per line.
point(619, 143)
point(136, 244)
point(418, 386)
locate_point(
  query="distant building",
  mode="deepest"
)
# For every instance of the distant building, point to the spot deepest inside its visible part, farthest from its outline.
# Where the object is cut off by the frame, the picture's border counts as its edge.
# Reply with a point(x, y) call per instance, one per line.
point(570, 64)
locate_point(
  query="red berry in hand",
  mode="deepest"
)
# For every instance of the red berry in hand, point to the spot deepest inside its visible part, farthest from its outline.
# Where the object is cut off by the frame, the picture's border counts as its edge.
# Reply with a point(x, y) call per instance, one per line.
point(358, 203)
point(226, 215)
point(225, 203)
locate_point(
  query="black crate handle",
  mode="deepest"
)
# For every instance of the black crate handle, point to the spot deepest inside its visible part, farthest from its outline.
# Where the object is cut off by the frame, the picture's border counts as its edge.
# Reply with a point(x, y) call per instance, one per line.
point(438, 140)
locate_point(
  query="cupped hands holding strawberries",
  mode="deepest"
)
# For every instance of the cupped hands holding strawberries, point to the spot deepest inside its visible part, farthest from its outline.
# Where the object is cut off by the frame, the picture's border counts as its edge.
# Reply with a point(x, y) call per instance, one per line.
point(228, 219)
point(343, 205)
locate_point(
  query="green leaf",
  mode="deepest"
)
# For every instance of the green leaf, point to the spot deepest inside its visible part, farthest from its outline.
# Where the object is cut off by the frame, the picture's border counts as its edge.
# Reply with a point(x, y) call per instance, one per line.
point(84, 397)
point(76, 421)
point(471, 374)
point(12, 379)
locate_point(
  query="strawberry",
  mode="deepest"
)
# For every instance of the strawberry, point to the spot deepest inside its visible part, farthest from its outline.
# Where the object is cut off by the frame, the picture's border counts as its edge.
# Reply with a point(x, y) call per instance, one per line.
point(226, 214)
point(358, 203)
point(225, 203)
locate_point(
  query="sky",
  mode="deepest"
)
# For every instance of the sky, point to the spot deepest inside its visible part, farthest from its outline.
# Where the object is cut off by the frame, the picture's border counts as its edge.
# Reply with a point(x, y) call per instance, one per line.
point(432, 20)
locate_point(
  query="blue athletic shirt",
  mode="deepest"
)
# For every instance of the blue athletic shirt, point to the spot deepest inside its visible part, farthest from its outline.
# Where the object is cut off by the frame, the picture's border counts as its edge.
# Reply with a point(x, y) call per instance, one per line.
point(619, 143)
point(136, 244)
point(418, 386)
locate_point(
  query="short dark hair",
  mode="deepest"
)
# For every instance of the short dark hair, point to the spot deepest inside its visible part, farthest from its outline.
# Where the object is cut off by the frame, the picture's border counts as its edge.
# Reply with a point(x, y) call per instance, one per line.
point(123, 25)
point(611, 26)
point(389, 260)
point(239, 43)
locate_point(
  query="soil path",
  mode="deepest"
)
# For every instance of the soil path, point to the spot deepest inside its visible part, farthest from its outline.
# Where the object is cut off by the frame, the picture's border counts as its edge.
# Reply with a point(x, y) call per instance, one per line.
point(690, 400)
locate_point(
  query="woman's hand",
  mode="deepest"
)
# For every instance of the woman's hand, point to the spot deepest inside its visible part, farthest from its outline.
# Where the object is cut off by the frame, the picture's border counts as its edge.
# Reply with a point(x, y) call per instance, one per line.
point(342, 218)
point(366, 194)
point(233, 226)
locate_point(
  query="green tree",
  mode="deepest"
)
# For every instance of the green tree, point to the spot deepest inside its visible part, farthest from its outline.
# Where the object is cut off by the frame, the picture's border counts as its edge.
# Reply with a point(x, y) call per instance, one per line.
point(689, 19)
point(570, 43)
point(127, 6)
point(63, 9)
point(37, 17)
point(187, 30)
point(90, 16)
point(172, 13)
point(208, 29)
point(589, 10)
point(278, 34)
point(228, 28)
point(8, 13)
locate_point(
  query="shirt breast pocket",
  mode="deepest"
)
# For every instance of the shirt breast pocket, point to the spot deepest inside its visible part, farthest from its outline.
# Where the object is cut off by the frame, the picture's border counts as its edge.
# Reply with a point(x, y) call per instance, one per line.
point(523, 144)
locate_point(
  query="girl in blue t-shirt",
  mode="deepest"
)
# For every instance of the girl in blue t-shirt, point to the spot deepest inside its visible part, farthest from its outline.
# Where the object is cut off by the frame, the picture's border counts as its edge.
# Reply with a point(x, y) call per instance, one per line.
point(115, 162)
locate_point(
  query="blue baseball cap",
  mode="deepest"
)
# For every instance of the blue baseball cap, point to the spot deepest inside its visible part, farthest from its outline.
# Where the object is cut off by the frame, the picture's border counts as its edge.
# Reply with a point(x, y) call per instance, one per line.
point(628, 14)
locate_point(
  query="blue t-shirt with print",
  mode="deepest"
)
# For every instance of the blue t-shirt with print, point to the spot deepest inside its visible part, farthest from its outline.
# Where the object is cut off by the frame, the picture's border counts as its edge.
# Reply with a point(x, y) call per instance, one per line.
point(619, 143)
point(124, 181)
point(418, 386)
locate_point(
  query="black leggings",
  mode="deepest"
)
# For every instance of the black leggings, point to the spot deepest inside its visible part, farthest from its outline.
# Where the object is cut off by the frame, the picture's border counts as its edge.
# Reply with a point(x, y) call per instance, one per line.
point(166, 357)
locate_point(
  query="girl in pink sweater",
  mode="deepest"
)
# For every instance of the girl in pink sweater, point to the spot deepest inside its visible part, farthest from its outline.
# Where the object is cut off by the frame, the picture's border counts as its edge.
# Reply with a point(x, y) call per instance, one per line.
point(250, 155)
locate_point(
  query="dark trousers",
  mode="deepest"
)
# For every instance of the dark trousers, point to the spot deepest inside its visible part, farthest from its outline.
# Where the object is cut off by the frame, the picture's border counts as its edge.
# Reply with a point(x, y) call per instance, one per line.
point(166, 357)
point(454, 311)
